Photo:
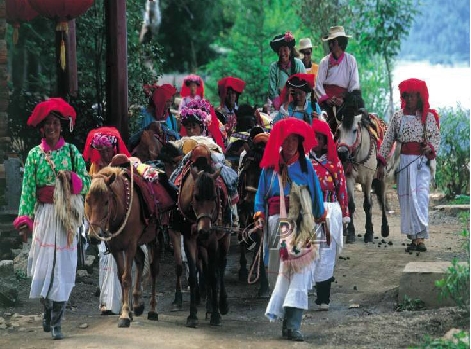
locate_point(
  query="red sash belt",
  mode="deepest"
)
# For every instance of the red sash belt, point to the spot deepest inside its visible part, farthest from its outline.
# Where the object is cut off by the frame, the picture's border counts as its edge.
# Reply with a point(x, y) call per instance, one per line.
point(411, 148)
point(334, 90)
point(274, 205)
point(45, 195)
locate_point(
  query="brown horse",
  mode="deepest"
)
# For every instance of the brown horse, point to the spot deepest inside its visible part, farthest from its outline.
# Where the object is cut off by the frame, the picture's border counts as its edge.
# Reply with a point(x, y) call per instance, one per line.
point(114, 213)
point(201, 202)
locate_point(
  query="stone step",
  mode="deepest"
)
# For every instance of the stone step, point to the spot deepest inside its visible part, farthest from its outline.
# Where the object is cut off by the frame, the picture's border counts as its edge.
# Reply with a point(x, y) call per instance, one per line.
point(418, 282)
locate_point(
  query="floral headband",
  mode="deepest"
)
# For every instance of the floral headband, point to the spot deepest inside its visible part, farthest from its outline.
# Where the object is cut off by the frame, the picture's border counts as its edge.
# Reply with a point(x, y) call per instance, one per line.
point(288, 36)
point(101, 141)
point(200, 115)
point(201, 104)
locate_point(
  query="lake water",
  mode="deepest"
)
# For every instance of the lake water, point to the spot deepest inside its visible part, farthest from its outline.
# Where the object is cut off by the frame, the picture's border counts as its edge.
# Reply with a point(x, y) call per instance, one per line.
point(447, 86)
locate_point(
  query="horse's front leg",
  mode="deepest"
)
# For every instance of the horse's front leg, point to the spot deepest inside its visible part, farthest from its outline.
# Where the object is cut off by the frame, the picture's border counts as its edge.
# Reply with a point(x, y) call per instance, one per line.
point(126, 282)
point(351, 208)
point(213, 271)
point(176, 237)
point(191, 255)
point(154, 256)
point(380, 189)
point(368, 237)
point(224, 245)
point(137, 306)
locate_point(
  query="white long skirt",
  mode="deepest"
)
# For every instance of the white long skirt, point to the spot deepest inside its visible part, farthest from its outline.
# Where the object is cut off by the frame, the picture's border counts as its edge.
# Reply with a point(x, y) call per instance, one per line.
point(413, 186)
point(52, 264)
point(110, 287)
point(324, 266)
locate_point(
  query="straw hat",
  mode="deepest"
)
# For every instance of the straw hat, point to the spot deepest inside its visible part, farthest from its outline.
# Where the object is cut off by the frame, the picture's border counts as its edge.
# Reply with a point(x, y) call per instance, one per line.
point(305, 44)
point(335, 32)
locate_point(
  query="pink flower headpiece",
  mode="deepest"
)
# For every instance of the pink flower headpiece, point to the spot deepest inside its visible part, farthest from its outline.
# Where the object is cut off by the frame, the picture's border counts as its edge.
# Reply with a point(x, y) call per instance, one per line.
point(201, 104)
point(288, 36)
point(100, 141)
point(199, 115)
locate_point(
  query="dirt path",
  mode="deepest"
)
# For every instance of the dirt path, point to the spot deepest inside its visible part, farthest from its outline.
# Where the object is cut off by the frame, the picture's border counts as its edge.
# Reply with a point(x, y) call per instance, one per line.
point(367, 276)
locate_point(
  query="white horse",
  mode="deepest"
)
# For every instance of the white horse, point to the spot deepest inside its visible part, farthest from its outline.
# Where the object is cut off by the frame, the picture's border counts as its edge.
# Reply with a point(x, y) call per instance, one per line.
point(357, 149)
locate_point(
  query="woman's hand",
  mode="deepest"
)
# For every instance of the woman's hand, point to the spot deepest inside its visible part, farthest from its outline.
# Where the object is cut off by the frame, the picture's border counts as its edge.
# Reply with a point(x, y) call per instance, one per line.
point(23, 232)
point(259, 223)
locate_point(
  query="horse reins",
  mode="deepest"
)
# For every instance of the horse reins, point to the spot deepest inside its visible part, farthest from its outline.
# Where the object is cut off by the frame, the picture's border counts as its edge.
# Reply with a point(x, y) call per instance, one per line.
point(354, 149)
point(130, 196)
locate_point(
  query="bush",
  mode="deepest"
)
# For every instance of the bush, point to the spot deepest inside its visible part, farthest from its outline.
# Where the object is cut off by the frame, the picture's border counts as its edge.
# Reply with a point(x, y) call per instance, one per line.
point(452, 175)
point(455, 285)
point(460, 341)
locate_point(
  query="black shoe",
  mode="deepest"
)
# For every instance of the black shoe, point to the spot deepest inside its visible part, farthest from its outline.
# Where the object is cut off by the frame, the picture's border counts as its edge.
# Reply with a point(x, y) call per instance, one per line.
point(421, 247)
point(411, 247)
point(56, 333)
point(47, 321)
point(297, 336)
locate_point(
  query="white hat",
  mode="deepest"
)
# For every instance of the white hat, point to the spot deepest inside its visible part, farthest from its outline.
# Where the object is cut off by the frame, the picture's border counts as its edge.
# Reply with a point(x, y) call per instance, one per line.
point(305, 44)
point(335, 32)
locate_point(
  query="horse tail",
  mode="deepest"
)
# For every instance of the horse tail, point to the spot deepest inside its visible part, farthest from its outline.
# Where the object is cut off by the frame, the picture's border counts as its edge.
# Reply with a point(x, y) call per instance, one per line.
point(146, 270)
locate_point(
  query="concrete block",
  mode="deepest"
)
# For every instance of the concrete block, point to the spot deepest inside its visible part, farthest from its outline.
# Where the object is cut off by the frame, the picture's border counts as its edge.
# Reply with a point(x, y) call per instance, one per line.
point(418, 282)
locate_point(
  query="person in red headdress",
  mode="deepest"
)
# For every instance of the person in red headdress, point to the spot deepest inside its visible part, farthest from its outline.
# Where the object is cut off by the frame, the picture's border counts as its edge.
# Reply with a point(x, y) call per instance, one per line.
point(284, 163)
point(416, 127)
point(51, 208)
point(295, 99)
point(229, 91)
point(158, 110)
point(101, 145)
point(332, 180)
point(192, 88)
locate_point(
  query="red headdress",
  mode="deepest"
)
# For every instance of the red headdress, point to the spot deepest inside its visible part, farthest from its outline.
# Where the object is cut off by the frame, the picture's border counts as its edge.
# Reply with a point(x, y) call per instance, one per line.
point(322, 127)
point(304, 82)
point(236, 84)
point(185, 91)
point(103, 137)
point(281, 130)
point(419, 86)
point(160, 96)
point(61, 109)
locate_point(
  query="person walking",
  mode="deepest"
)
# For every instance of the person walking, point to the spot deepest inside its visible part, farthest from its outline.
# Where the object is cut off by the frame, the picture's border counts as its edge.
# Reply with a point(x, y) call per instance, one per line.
point(51, 208)
point(416, 127)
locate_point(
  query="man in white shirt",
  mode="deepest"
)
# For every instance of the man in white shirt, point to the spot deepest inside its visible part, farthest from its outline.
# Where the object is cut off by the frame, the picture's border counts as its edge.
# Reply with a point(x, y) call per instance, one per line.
point(337, 76)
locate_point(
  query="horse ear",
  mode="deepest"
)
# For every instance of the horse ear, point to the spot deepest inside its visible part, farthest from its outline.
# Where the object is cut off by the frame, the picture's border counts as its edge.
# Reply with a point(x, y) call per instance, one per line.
point(217, 173)
point(109, 180)
point(195, 173)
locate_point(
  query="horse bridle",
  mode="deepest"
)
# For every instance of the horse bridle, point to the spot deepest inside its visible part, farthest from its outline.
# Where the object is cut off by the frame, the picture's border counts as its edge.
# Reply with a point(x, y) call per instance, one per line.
point(128, 199)
point(210, 216)
point(354, 148)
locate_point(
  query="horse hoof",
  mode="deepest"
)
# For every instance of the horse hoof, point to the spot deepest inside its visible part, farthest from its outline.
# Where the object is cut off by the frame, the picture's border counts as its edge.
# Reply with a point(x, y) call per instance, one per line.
point(368, 238)
point(385, 231)
point(243, 275)
point(223, 306)
point(124, 322)
point(176, 307)
point(350, 239)
point(191, 322)
point(215, 319)
point(139, 310)
point(153, 316)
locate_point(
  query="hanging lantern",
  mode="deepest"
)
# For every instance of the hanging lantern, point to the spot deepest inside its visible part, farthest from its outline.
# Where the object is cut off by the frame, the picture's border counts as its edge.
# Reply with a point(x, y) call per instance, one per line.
point(18, 11)
point(61, 11)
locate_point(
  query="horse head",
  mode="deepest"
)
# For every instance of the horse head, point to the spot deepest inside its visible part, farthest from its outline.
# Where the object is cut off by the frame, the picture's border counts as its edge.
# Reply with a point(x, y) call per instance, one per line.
point(104, 202)
point(205, 198)
point(149, 146)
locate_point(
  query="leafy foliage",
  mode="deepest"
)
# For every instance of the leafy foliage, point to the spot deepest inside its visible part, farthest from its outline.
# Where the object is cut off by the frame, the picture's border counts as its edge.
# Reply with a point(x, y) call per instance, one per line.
point(409, 304)
point(460, 341)
point(453, 157)
point(455, 285)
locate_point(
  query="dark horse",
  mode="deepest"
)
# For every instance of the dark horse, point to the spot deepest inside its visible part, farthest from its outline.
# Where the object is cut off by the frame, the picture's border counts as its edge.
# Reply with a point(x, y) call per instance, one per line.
point(202, 203)
point(249, 175)
point(358, 138)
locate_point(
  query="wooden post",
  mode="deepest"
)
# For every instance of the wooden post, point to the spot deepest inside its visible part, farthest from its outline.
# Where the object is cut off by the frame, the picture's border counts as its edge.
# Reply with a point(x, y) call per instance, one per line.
point(71, 52)
point(116, 66)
